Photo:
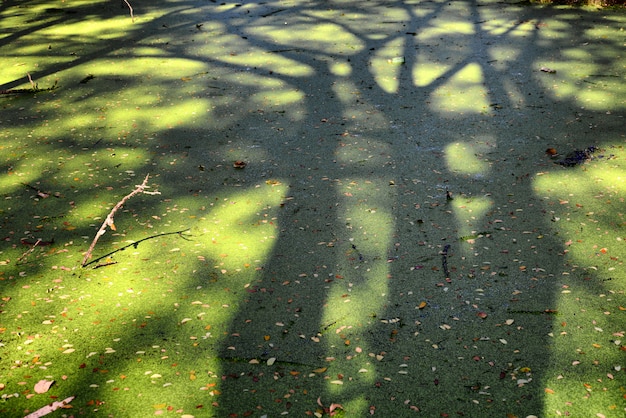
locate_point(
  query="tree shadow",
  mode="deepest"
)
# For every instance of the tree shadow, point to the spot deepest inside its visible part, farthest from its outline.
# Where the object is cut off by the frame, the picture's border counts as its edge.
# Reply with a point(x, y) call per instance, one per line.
point(350, 158)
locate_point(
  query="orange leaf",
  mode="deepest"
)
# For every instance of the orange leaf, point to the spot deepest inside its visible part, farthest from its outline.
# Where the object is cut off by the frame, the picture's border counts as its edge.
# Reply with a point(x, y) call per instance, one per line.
point(422, 305)
point(549, 391)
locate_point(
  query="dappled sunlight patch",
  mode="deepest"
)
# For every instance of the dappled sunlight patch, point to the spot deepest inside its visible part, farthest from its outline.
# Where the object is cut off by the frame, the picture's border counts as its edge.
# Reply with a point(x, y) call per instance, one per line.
point(345, 90)
point(502, 57)
point(463, 158)
point(376, 154)
point(588, 340)
point(162, 68)
point(464, 92)
point(328, 38)
point(22, 173)
point(341, 69)
point(355, 296)
point(278, 98)
point(497, 26)
point(469, 213)
point(387, 63)
point(446, 27)
point(360, 286)
point(273, 62)
point(242, 229)
point(426, 72)
point(583, 207)
point(97, 29)
point(600, 100)
point(165, 116)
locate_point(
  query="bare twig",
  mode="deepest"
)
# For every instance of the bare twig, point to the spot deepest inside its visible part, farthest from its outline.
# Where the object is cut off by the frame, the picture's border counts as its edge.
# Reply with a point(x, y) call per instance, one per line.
point(135, 245)
point(23, 256)
point(32, 83)
point(34, 88)
point(109, 219)
point(130, 8)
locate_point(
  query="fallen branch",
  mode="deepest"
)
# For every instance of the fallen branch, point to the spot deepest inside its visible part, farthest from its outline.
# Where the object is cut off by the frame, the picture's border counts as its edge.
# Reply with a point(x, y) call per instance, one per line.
point(34, 88)
point(23, 256)
point(51, 408)
point(109, 219)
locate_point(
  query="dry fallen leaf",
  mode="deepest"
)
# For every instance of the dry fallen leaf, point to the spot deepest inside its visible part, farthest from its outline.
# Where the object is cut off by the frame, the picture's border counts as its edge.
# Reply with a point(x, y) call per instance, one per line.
point(43, 386)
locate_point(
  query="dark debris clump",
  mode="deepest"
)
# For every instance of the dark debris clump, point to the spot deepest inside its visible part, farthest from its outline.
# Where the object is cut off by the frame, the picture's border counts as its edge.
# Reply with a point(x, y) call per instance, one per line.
point(577, 157)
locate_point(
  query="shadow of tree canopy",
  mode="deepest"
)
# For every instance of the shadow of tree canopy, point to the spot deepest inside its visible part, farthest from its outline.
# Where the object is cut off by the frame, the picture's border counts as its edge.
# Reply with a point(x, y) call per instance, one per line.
point(397, 241)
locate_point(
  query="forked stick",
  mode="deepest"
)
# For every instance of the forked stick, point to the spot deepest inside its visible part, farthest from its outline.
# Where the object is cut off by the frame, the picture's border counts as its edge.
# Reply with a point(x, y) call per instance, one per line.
point(109, 219)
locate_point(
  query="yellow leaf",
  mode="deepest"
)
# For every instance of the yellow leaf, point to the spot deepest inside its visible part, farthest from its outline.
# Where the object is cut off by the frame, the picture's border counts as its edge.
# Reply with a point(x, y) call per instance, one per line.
point(422, 305)
point(320, 370)
point(159, 405)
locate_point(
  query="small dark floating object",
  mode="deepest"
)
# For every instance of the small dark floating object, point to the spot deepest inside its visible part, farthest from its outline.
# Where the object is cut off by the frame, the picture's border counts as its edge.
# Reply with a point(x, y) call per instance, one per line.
point(87, 79)
point(577, 157)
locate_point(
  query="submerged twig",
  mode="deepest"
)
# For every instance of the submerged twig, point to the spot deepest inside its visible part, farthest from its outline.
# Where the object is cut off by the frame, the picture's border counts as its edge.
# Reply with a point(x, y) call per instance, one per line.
point(133, 244)
point(109, 219)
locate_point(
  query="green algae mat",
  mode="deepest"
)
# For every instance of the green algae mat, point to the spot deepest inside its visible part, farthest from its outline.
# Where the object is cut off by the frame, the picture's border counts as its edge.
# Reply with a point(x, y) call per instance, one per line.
point(312, 208)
